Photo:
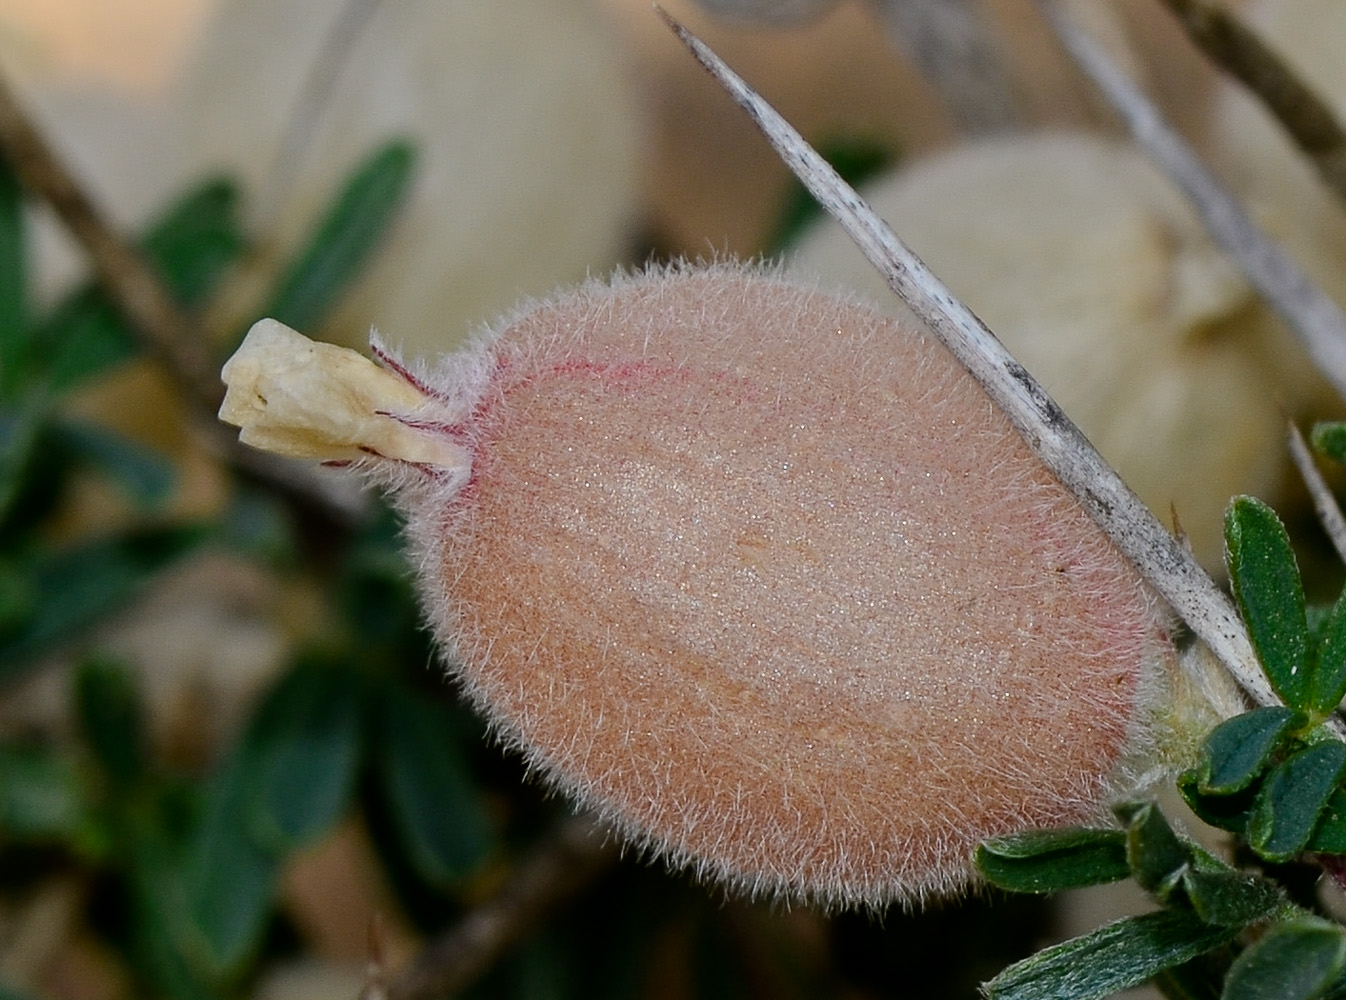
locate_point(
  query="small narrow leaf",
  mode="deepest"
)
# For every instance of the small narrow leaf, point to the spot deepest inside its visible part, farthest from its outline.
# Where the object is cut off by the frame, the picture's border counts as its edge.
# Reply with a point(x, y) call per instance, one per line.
point(1329, 670)
point(41, 798)
point(1113, 958)
point(1230, 898)
point(1293, 798)
point(147, 477)
point(1158, 857)
point(1270, 596)
point(1295, 960)
point(14, 331)
point(1225, 812)
point(73, 588)
point(1330, 835)
point(192, 245)
point(302, 749)
point(230, 883)
point(1049, 861)
point(195, 242)
point(112, 720)
point(1329, 438)
point(1239, 749)
point(434, 805)
point(21, 436)
point(345, 238)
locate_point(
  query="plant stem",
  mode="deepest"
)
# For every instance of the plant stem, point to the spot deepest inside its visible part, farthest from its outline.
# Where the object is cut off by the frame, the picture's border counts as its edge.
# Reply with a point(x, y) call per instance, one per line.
point(1235, 48)
point(569, 860)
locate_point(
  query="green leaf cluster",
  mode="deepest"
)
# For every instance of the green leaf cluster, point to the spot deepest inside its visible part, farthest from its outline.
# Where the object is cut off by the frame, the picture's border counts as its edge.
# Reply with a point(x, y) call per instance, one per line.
point(1275, 775)
point(188, 863)
point(1191, 947)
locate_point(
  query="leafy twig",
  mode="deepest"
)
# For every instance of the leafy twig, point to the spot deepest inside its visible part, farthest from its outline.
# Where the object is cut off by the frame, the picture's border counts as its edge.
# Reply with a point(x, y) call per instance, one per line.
point(560, 867)
point(1315, 318)
point(1308, 119)
point(1166, 563)
point(166, 332)
point(1329, 513)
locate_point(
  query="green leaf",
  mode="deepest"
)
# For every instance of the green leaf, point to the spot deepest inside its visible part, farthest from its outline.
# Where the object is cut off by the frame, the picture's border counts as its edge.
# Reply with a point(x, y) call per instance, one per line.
point(1295, 960)
point(1225, 812)
point(1329, 669)
point(82, 337)
point(112, 719)
point(1158, 857)
point(161, 935)
point(21, 433)
point(41, 798)
point(1220, 895)
point(1293, 798)
point(195, 242)
point(75, 587)
point(9, 993)
point(1239, 749)
point(345, 238)
point(230, 883)
point(192, 245)
point(302, 750)
point(1113, 958)
point(1329, 438)
point(148, 477)
point(434, 806)
point(1270, 596)
point(1052, 860)
point(14, 332)
point(1330, 835)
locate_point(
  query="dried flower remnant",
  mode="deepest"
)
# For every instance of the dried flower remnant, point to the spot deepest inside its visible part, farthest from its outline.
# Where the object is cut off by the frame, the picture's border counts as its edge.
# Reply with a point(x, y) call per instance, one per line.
point(764, 577)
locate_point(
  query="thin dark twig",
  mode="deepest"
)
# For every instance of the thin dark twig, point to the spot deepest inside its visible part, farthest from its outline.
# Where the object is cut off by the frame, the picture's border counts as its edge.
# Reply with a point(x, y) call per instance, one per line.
point(1238, 50)
point(557, 870)
point(165, 330)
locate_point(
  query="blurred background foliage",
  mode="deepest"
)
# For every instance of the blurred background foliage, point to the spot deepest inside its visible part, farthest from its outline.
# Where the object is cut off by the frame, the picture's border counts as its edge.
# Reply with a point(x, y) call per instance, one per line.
point(229, 765)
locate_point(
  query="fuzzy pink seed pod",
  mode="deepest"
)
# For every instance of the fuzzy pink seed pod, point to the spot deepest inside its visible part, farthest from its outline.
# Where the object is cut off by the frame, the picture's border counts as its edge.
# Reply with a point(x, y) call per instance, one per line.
point(765, 578)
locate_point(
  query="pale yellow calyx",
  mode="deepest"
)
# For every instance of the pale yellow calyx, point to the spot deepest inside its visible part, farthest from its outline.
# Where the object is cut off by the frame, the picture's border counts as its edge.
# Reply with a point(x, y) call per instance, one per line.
point(293, 396)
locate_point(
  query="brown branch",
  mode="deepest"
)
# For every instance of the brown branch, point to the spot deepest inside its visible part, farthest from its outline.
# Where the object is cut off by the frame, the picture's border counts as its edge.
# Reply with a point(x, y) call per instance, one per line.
point(1308, 119)
point(557, 870)
point(165, 331)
